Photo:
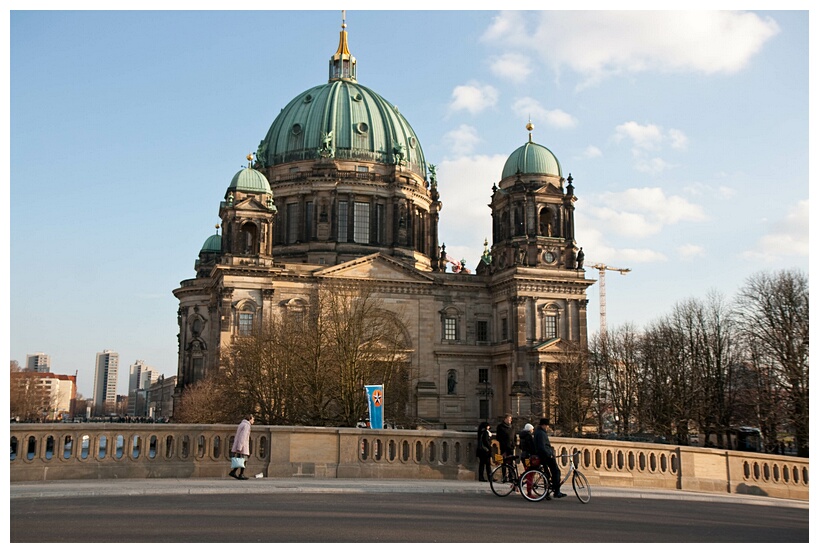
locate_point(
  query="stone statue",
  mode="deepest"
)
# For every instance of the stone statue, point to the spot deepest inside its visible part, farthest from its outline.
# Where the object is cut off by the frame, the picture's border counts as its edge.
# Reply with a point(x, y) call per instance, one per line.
point(580, 257)
point(451, 382)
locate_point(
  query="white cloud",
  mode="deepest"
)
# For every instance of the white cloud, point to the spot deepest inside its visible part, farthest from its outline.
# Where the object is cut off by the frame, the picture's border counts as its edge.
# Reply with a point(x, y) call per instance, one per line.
point(679, 141)
point(531, 108)
point(647, 139)
point(644, 137)
point(466, 183)
point(462, 141)
point(690, 251)
point(513, 66)
point(597, 44)
point(652, 166)
point(592, 152)
point(788, 237)
point(641, 212)
point(473, 97)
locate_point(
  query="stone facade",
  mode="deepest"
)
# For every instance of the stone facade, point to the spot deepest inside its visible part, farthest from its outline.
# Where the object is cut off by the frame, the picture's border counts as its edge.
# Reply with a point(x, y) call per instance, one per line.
point(483, 342)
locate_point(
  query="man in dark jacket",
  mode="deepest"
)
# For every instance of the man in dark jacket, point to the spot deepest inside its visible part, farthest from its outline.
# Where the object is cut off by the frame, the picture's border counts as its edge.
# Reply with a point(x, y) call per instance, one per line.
point(506, 436)
point(544, 450)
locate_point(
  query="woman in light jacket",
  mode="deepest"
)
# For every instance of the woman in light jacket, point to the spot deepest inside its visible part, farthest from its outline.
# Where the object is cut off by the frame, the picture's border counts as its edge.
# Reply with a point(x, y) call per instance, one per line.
point(241, 446)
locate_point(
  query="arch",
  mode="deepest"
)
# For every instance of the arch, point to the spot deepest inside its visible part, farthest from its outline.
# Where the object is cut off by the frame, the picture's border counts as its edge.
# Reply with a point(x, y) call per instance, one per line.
point(248, 238)
point(245, 319)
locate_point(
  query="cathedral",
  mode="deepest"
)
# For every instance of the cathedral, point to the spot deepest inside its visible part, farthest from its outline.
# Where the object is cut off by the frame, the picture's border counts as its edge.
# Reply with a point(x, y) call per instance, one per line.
point(339, 190)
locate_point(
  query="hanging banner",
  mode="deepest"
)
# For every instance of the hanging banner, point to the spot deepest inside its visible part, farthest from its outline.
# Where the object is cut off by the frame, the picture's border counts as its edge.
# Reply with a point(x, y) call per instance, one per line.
point(375, 400)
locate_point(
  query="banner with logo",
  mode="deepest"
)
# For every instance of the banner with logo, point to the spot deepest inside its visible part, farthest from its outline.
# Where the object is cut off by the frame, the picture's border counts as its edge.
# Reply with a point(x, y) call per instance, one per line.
point(375, 400)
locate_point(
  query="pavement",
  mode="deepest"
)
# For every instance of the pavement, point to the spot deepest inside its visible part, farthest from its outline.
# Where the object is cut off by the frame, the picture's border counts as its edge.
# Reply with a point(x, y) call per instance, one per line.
point(196, 486)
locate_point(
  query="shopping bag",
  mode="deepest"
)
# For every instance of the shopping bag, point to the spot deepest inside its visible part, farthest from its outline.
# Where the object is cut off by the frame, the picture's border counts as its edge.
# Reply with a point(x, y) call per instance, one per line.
point(237, 462)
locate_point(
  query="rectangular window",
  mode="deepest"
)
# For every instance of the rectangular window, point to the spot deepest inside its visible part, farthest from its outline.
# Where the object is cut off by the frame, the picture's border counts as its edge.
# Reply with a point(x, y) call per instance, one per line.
point(361, 223)
point(362, 169)
point(342, 221)
point(483, 406)
point(450, 328)
point(482, 331)
point(380, 231)
point(483, 376)
point(308, 221)
point(245, 324)
point(292, 223)
point(550, 327)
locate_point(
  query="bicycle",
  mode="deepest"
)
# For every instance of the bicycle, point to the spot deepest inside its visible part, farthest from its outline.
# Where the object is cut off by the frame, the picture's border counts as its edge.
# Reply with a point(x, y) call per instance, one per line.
point(538, 484)
point(504, 478)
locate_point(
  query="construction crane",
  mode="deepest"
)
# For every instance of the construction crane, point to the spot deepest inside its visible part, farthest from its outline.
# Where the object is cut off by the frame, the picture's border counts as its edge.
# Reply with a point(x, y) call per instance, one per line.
point(603, 268)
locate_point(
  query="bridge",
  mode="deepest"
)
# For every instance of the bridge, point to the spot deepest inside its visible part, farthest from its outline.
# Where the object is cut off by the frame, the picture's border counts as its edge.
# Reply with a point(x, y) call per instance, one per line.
point(68, 451)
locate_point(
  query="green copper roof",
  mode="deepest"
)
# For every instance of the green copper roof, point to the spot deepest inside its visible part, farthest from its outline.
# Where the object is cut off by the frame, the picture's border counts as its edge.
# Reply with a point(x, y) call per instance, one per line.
point(532, 159)
point(344, 120)
point(212, 245)
point(250, 181)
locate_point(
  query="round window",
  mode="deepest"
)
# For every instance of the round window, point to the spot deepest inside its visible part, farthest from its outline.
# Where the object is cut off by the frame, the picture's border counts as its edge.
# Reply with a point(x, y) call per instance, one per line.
point(362, 128)
point(412, 142)
point(296, 129)
point(308, 99)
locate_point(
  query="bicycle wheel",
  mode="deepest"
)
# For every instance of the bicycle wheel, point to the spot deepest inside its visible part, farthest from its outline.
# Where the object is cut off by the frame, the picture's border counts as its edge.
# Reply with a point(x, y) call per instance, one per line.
point(502, 480)
point(581, 487)
point(534, 485)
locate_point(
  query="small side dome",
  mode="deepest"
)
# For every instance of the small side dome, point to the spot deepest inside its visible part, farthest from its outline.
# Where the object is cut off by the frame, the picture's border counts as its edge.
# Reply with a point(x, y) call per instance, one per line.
point(532, 159)
point(250, 181)
point(212, 245)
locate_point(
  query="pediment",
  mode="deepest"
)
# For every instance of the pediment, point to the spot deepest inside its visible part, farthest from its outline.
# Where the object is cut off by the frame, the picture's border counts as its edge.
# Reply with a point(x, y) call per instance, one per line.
point(553, 345)
point(250, 203)
point(377, 267)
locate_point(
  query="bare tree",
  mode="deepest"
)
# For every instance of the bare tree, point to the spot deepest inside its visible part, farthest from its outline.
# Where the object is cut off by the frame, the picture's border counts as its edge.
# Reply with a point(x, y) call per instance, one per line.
point(368, 346)
point(27, 400)
point(204, 402)
point(773, 309)
point(573, 391)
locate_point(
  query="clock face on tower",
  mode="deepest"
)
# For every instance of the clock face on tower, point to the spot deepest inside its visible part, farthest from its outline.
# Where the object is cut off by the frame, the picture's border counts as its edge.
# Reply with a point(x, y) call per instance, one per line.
point(549, 257)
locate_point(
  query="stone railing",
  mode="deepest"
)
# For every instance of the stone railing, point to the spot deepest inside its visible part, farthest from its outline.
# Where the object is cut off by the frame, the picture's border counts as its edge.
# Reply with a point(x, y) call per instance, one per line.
point(106, 450)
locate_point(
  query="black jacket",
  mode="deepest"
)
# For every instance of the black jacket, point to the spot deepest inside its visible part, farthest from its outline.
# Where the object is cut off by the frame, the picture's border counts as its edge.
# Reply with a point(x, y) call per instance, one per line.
point(484, 442)
point(526, 442)
point(506, 439)
point(543, 447)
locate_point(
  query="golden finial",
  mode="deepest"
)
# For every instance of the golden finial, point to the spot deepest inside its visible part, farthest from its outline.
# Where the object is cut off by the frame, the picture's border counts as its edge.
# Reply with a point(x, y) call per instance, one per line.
point(343, 19)
point(217, 228)
point(530, 127)
point(249, 160)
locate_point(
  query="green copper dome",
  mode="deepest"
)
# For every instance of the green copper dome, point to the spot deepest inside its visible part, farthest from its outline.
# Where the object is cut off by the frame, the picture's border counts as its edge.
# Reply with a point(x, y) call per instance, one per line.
point(250, 181)
point(532, 159)
point(212, 245)
point(341, 120)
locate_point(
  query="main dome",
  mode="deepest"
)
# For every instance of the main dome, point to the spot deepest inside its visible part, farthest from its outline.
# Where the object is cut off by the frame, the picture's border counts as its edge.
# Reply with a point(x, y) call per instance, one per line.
point(360, 125)
point(343, 120)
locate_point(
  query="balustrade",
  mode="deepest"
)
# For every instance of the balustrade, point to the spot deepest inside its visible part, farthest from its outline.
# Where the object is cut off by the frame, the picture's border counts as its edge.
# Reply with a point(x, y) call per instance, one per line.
point(108, 450)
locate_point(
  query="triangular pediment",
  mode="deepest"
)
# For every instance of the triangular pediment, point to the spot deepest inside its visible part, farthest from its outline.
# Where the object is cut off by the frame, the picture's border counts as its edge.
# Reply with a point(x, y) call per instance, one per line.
point(553, 345)
point(250, 203)
point(377, 267)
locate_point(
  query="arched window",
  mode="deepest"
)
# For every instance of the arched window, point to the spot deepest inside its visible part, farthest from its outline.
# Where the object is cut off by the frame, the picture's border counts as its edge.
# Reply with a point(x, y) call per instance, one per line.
point(549, 321)
point(245, 318)
point(250, 238)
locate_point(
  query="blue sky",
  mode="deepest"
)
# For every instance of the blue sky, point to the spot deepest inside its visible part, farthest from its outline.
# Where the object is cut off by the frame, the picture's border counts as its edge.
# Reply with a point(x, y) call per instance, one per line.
point(686, 134)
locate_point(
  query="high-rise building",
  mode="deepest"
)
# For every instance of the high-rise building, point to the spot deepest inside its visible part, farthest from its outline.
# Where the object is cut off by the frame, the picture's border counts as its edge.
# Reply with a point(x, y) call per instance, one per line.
point(140, 379)
point(340, 193)
point(38, 362)
point(105, 383)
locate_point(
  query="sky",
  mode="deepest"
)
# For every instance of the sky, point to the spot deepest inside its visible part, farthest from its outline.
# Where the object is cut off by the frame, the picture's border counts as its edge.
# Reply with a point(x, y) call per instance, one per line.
point(686, 134)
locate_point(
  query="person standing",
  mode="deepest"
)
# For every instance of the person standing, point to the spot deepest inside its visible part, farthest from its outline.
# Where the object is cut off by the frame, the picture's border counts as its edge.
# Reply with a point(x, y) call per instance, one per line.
point(241, 446)
point(544, 450)
point(484, 451)
point(526, 442)
point(506, 436)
